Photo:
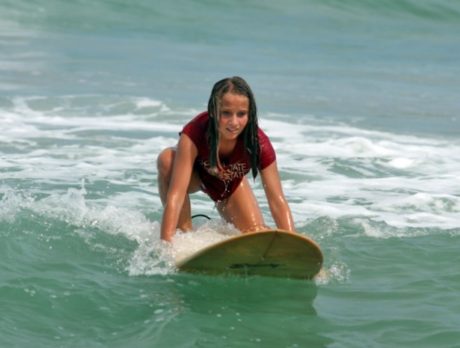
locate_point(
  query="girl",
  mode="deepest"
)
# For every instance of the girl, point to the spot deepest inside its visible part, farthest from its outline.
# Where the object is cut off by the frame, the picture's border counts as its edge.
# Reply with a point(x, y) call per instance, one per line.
point(216, 150)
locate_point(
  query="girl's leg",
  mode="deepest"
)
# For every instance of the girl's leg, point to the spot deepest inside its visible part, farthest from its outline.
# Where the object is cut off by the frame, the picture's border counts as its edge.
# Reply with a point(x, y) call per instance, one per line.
point(242, 210)
point(165, 164)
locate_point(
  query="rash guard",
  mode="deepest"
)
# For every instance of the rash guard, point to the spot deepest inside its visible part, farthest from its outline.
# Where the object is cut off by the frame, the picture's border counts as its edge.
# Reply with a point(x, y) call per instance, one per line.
point(235, 166)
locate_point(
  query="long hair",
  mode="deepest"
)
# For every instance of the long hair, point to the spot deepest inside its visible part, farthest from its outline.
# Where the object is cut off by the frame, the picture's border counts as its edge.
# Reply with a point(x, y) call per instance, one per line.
point(239, 86)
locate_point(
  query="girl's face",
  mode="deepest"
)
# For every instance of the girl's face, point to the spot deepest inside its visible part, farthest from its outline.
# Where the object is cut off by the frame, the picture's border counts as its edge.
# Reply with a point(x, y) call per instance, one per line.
point(234, 115)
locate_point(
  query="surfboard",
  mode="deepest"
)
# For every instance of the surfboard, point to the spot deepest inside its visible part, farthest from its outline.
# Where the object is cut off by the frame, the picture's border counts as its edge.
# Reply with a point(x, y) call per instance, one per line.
point(273, 253)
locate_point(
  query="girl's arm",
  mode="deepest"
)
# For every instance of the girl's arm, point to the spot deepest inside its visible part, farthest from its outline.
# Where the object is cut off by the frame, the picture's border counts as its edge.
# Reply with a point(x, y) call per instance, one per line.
point(180, 178)
point(279, 207)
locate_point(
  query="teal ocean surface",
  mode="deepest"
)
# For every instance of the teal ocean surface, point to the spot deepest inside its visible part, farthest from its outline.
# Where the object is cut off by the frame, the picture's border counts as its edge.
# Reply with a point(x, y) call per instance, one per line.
point(360, 99)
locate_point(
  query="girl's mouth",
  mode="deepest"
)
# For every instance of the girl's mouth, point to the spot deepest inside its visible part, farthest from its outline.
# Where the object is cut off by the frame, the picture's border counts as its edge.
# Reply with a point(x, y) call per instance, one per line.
point(233, 131)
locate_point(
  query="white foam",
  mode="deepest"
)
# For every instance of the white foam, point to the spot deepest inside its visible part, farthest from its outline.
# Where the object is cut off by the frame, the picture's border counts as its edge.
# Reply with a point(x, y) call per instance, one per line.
point(354, 172)
point(151, 105)
point(328, 169)
point(12, 203)
point(150, 256)
point(337, 272)
point(186, 244)
point(49, 122)
point(402, 163)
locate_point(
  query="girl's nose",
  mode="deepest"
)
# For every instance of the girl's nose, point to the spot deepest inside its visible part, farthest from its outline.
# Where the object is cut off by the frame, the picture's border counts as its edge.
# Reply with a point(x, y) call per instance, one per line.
point(233, 119)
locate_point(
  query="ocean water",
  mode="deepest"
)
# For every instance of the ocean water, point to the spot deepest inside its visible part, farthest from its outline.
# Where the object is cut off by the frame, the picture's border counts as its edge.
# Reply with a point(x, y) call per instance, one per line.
point(360, 99)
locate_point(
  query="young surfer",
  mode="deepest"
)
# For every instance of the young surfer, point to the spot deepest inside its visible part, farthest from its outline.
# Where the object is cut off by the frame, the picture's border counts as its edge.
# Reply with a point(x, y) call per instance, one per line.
point(216, 150)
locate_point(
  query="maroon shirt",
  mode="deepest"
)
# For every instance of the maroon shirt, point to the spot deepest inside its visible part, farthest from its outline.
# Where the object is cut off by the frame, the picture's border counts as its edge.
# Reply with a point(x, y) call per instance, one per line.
point(235, 166)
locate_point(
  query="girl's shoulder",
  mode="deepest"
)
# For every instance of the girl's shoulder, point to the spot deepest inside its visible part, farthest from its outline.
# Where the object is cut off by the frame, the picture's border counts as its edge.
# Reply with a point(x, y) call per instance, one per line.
point(196, 128)
point(267, 152)
point(199, 122)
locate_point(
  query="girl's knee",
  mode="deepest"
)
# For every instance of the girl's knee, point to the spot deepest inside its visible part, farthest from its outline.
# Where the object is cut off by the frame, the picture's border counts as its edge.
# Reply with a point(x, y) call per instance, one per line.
point(165, 162)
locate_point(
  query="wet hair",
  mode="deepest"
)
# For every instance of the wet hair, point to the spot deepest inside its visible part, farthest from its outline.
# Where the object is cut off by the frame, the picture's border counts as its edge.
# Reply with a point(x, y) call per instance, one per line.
point(239, 86)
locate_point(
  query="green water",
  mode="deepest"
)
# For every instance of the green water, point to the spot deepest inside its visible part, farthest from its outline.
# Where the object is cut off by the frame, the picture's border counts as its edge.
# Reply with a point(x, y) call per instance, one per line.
point(59, 289)
point(360, 100)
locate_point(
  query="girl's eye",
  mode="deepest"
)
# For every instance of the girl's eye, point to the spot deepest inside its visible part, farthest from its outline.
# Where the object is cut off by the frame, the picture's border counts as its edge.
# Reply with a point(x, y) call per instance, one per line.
point(238, 114)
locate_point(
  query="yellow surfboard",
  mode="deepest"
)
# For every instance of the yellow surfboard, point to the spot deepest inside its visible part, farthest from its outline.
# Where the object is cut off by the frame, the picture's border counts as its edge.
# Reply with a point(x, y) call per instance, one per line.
point(273, 253)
